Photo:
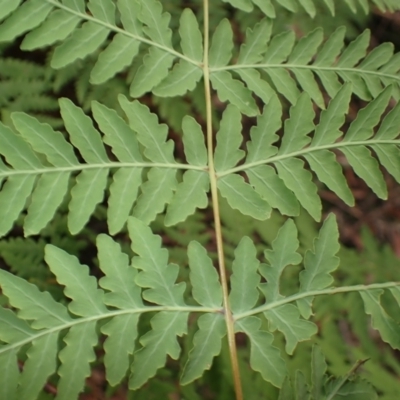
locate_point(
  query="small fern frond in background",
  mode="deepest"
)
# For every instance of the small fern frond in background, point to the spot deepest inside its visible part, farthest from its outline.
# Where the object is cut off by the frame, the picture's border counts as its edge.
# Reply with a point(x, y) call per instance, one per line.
point(26, 86)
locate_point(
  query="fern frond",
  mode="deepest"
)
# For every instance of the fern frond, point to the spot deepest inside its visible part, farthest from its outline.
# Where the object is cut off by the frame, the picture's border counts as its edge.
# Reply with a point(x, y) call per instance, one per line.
point(288, 65)
point(290, 314)
point(119, 301)
point(150, 277)
point(280, 188)
point(47, 180)
point(131, 24)
point(309, 6)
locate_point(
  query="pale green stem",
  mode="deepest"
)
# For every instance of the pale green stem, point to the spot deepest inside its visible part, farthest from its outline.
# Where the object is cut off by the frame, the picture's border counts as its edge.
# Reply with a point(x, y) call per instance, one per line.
point(311, 67)
point(217, 220)
point(67, 324)
point(312, 148)
point(312, 293)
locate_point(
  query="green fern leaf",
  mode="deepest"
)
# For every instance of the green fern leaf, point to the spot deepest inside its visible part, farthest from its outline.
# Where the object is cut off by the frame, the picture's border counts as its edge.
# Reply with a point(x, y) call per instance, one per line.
point(25, 17)
point(221, 45)
point(117, 133)
point(8, 6)
point(9, 375)
point(319, 263)
point(306, 47)
point(82, 42)
point(241, 196)
point(271, 188)
point(283, 253)
point(75, 358)
point(82, 133)
point(256, 84)
point(49, 193)
point(129, 12)
point(298, 126)
point(229, 138)
point(33, 304)
point(119, 275)
point(191, 37)
point(292, 171)
point(266, 7)
point(56, 27)
point(362, 128)
point(45, 140)
point(206, 345)
point(324, 164)
point(155, 68)
point(389, 128)
point(104, 10)
point(183, 78)
point(331, 48)
point(284, 84)
point(279, 48)
point(287, 320)
point(87, 299)
point(193, 141)
point(41, 363)
point(117, 56)
point(156, 193)
point(290, 5)
point(151, 134)
point(386, 325)
point(206, 289)
point(367, 168)
point(355, 51)
point(157, 22)
point(123, 294)
point(13, 329)
point(126, 182)
point(13, 197)
point(309, 6)
point(190, 194)
point(16, 151)
point(264, 357)
point(123, 193)
point(85, 195)
point(244, 5)
point(252, 49)
point(157, 343)
point(328, 129)
point(303, 53)
point(77, 5)
point(244, 279)
point(263, 135)
point(234, 91)
point(156, 274)
point(119, 346)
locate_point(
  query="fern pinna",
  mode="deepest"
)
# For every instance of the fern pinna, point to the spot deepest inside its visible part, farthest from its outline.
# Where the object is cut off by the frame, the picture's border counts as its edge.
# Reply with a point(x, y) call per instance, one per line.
point(127, 153)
